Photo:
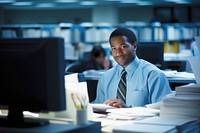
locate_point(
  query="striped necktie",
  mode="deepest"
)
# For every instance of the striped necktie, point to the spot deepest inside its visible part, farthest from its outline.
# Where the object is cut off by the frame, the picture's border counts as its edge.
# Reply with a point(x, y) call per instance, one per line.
point(121, 90)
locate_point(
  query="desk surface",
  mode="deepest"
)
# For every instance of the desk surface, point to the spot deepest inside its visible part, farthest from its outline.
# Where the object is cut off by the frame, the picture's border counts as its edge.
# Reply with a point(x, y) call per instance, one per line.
point(90, 127)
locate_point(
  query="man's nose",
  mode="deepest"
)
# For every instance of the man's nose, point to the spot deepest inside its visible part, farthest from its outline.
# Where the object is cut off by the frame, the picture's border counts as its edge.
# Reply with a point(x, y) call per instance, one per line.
point(119, 51)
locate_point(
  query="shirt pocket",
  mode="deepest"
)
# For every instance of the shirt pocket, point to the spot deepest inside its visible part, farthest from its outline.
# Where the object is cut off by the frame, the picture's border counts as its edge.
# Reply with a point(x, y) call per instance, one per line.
point(137, 98)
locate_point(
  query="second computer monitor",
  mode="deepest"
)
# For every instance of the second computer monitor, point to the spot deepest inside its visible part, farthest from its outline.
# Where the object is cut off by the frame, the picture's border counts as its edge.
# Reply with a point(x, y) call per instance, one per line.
point(152, 52)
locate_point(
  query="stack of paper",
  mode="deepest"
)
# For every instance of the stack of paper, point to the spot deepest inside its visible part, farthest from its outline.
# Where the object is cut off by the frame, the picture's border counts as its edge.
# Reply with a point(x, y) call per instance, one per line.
point(132, 113)
point(175, 74)
point(190, 90)
point(144, 128)
point(180, 106)
point(186, 100)
point(183, 125)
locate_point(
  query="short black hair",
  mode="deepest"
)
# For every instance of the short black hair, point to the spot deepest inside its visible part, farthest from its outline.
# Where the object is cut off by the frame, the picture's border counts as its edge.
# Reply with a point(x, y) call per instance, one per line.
point(97, 51)
point(124, 32)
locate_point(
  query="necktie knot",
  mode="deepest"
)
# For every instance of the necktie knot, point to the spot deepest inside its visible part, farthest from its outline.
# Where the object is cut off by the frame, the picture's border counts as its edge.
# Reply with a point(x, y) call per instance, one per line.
point(123, 72)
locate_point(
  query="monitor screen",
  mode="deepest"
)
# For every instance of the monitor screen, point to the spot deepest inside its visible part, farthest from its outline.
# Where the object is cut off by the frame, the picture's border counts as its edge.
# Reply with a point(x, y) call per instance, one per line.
point(31, 76)
point(152, 52)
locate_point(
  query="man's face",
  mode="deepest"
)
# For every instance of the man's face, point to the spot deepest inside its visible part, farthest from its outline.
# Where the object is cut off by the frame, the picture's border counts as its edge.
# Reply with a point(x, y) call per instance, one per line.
point(123, 52)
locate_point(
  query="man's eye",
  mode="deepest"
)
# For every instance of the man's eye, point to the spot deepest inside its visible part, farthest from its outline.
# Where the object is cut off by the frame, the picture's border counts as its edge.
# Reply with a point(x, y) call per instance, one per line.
point(113, 49)
point(123, 47)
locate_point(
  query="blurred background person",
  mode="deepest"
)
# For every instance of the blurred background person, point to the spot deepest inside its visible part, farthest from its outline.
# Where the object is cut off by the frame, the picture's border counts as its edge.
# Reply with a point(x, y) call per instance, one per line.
point(91, 61)
point(98, 59)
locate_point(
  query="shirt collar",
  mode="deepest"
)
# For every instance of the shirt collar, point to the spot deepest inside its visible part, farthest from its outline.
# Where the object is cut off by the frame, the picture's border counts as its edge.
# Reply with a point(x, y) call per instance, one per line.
point(130, 69)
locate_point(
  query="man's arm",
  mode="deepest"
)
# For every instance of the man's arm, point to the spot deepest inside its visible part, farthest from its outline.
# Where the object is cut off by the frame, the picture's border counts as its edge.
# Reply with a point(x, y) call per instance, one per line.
point(100, 94)
point(158, 86)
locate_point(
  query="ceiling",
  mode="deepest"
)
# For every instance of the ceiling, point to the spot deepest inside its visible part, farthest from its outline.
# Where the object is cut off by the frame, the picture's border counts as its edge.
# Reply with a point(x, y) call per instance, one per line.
point(67, 4)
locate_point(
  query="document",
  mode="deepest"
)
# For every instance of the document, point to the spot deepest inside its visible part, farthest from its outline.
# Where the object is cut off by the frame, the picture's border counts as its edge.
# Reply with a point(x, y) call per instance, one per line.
point(132, 113)
point(167, 121)
point(182, 124)
point(144, 128)
point(180, 106)
point(197, 40)
point(71, 78)
point(189, 88)
point(76, 97)
point(99, 107)
point(195, 62)
point(175, 74)
point(153, 105)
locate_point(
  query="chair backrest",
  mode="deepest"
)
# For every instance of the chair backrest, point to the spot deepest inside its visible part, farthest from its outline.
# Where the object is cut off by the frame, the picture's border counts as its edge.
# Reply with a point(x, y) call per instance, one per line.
point(85, 56)
point(76, 67)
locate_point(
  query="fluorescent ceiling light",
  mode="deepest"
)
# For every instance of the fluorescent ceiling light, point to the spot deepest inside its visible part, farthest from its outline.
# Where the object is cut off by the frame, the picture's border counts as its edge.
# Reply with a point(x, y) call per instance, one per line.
point(22, 3)
point(144, 3)
point(178, 1)
point(87, 24)
point(89, 3)
point(113, 0)
point(65, 24)
point(138, 2)
point(66, 1)
point(7, 1)
point(45, 5)
point(129, 1)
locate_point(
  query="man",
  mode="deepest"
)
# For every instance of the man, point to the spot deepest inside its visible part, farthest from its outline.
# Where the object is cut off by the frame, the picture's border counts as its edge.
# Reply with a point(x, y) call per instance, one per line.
point(144, 83)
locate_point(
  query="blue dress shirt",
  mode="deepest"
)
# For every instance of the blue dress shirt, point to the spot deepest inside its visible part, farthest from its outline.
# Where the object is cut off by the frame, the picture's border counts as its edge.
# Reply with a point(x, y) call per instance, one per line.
point(145, 84)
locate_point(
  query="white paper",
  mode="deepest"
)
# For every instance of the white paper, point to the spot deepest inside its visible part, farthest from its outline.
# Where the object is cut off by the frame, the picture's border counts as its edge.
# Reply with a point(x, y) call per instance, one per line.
point(153, 105)
point(175, 74)
point(71, 78)
point(80, 88)
point(135, 112)
point(120, 117)
point(188, 88)
point(195, 64)
point(175, 121)
point(197, 40)
point(141, 128)
point(101, 107)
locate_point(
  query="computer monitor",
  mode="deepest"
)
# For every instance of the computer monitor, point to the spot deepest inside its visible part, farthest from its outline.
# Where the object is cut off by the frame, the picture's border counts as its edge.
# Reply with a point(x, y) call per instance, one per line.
point(31, 77)
point(152, 52)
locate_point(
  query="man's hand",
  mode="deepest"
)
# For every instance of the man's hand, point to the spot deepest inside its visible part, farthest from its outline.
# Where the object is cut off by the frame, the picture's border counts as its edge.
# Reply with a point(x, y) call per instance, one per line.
point(118, 103)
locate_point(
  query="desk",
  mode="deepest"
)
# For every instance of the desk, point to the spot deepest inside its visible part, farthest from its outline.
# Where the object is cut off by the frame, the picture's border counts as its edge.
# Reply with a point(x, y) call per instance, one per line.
point(91, 127)
point(109, 124)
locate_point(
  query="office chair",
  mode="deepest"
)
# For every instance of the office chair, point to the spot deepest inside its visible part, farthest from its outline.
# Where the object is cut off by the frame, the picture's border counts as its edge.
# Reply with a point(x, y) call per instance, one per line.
point(75, 67)
point(85, 56)
point(80, 65)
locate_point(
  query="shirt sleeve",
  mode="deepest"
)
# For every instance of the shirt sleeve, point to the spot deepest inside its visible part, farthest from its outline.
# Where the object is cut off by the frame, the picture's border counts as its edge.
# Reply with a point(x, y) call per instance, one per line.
point(100, 96)
point(158, 86)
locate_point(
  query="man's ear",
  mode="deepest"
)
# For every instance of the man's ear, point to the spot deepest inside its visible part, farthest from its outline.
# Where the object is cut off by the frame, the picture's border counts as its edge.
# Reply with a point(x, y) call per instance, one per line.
point(135, 46)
